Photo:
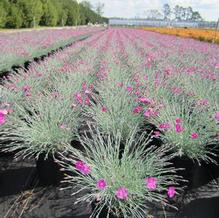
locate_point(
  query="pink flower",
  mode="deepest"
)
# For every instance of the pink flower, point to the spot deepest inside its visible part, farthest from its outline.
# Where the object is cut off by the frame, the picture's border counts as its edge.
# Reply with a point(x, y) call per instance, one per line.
point(203, 102)
point(86, 170)
point(145, 77)
point(101, 184)
point(195, 135)
point(10, 110)
point(82, 167)
point(122, 193)
point(104, 109)
point(79, 98)
point(2, 118)
point(151, 183)
point(26, 88)
point(178, 120)
point(87, 101)
point(217, 66)
point(171, 192)
point(84, 86)
point(137, 110)
point(217, 116)
point(148, 113)
point(129, 89)
point(120, 84)
point(145, 100)
point(157, 134)
point(164, 126)
point(179, 128)
point(4, 111)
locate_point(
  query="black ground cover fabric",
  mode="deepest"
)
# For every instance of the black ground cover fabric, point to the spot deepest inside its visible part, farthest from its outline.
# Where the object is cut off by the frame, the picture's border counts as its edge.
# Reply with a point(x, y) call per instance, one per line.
point(22, 196)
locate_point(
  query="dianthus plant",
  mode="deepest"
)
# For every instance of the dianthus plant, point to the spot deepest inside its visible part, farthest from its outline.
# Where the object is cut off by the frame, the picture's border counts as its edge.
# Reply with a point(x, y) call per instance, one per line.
point(45, 128)
point(124, 185)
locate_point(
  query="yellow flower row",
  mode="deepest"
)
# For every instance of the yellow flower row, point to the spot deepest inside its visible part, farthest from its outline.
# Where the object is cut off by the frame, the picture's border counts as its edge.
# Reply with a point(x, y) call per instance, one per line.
point(208, 35)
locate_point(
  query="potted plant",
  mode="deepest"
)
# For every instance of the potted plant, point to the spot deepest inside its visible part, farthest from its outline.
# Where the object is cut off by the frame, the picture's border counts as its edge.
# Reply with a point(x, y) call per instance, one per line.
point(120, 187)
point(191, 132)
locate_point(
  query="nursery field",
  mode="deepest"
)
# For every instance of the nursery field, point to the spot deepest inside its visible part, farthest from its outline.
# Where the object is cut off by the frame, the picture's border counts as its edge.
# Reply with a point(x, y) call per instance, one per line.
point(122, 123)
point(207, 35)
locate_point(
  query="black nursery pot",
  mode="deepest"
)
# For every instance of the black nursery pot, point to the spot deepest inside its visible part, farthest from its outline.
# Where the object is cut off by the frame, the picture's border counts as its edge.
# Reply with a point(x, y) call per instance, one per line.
point(49, 172)
point(197, 175)
point(104, 212)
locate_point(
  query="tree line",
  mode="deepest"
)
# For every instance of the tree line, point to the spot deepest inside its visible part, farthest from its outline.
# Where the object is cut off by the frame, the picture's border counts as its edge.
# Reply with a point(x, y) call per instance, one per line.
point(32, 13)
point(177, 13)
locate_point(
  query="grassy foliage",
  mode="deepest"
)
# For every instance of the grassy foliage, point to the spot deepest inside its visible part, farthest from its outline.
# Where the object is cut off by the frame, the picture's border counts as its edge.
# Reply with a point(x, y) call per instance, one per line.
point(101, 154)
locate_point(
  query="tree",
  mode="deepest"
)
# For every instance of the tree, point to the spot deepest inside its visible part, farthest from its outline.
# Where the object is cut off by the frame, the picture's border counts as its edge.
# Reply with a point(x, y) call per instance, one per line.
point(87, 4)
point(154, 15)
point(182, 13)
point(166, 11)
point(72, 11)
point(100, 8)
point(32, 12)
point(196, 16)
point(50, 13)
point(3, 12)
point(189, 12)
point(177, 12)
point(14, 17)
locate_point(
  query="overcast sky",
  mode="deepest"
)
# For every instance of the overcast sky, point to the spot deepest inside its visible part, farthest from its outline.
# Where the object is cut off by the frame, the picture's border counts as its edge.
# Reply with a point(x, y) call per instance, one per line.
point(209, 9)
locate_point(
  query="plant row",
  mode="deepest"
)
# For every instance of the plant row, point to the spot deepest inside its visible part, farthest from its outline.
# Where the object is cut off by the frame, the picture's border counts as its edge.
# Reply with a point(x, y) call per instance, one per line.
point(17, 48)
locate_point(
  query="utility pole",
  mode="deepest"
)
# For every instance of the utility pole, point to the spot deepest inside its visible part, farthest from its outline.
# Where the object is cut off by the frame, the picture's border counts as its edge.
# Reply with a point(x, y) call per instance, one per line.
point(216, 29)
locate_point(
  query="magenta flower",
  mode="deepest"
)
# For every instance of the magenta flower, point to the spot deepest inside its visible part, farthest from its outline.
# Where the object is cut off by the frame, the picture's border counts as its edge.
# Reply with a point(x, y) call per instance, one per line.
point(82, 167)
point(101, 184)
point(4, 111)
point(164, 126)
point(179, 128)
point(86, 170)
point(137, 110)
point(84, 86)
point(171, 192)
point(217, 116)
point(122, 193)
point(178, 120)
point(87, 101)
point(203, 102)
point(28, 94)
point(104, 109)
point(157, 134)
point(145, 100)
point(129, 89)
point(2, 118)
point(194, 135)
point(148, 113)
point(79, 98)
point(145, 77)
point(151, 183)
point(26, 88)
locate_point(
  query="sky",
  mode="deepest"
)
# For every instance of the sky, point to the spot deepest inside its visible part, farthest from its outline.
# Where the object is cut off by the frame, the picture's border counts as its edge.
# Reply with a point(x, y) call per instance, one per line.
point(209, 9)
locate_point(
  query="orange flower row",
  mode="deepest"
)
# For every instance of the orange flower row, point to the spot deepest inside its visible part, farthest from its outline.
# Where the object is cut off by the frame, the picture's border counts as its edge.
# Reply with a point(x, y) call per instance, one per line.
point(208, 35)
